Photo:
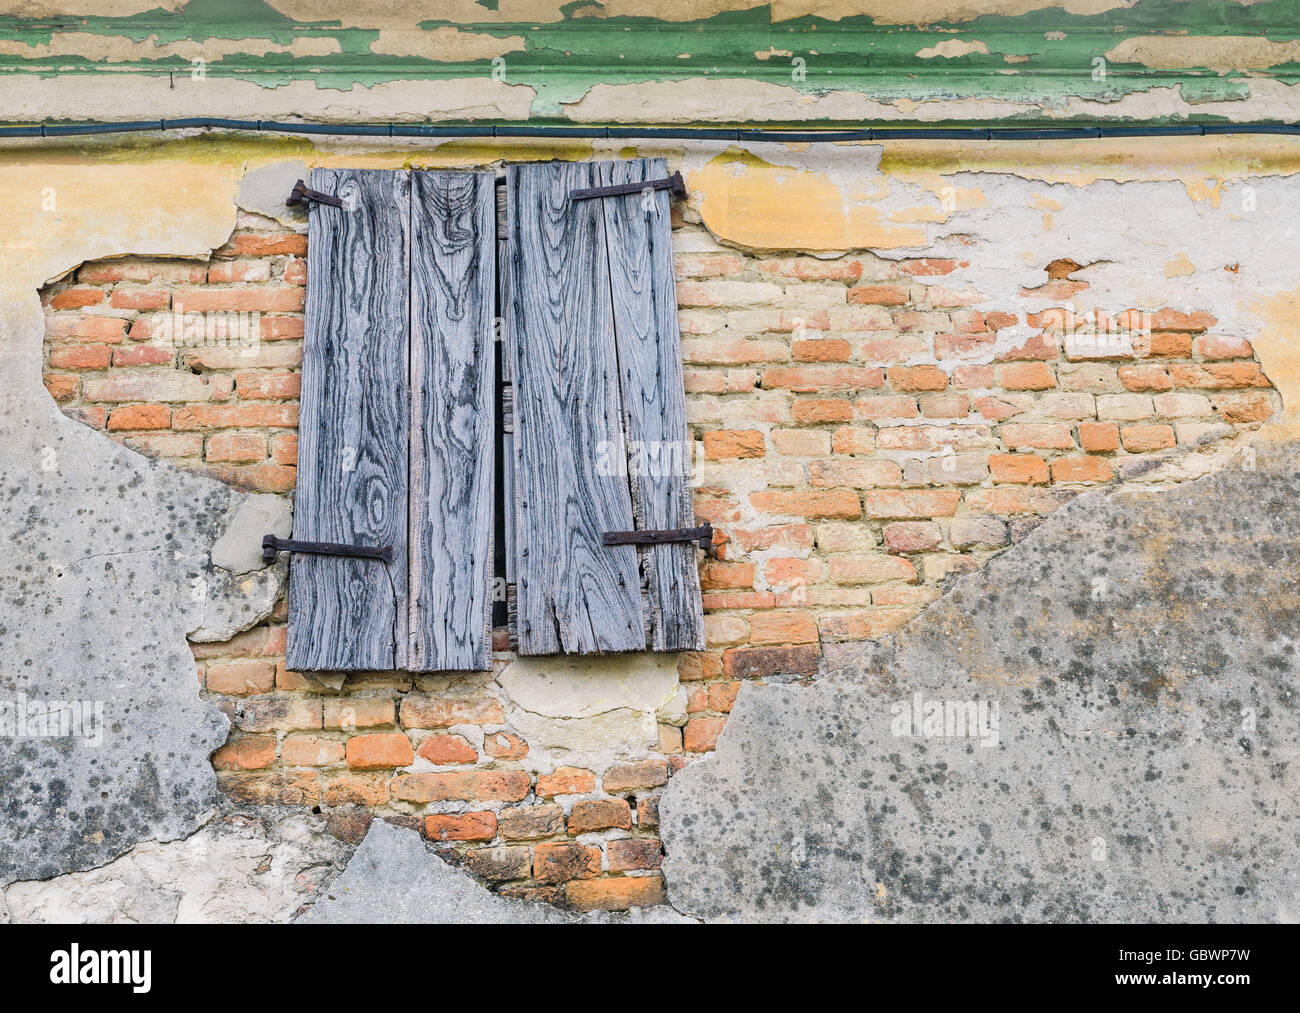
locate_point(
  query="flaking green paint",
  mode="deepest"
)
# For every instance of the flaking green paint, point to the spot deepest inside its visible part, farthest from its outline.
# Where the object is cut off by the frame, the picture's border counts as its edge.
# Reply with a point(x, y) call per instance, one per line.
point(564, 59)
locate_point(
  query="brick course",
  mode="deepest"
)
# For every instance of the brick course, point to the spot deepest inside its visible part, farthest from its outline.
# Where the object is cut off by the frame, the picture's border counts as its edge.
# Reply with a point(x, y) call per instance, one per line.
point(863, 433)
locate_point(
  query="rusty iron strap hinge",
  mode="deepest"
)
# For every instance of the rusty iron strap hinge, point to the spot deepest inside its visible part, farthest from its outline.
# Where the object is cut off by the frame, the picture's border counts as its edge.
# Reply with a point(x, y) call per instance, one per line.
point(675, 183)
point(272, 546)
point(702, 534)
point(302, 193)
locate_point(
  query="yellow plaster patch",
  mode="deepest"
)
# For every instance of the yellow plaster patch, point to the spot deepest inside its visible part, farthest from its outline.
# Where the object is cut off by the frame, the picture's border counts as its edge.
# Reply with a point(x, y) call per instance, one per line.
point(445, 44)
point(751, 202)
point(1037, 202)
point(1277, 346)
point(1222, 53)
point(953, 48)
point(1179, 267)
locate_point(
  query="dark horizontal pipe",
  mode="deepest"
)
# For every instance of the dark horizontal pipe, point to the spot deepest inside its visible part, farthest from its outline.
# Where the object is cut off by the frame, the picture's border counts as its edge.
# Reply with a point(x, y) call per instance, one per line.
point(827, 135)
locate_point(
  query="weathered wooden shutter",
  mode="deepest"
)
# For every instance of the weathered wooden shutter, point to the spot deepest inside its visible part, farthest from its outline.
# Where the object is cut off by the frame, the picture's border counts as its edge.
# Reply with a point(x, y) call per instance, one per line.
point(396, 427)
point(598, 414)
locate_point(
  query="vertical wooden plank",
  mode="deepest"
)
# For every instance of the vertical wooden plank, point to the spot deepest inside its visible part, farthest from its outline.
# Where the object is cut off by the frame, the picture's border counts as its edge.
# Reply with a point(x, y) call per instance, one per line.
point(453, 415)
point(573, 593)
point(349, 614)
point(639, 238)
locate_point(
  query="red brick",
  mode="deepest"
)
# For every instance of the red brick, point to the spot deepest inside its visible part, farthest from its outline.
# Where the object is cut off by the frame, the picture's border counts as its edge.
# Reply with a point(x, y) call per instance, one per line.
point(878, 295)
point(352, 712)
point(280, 244)
point(1026, 469)
point(499, 863)
point(911, 536)
point(830, 503)
point(81, 357)
point(782, 628)
point(430, 712)
point(260, 386)
point(311, 751)
point(1223, 346)
point(599, 814)
point(76, 298)
point(1099, 436)
point(767, 662)
point(906, 503)
point(1137, 439)
point(807, 379)
point(565, 781)
point(144, 355)
point(463, 786)
point(235, 416)
point(140, 299)
point(523, 823)
point(634, 854)
point(725, 443)
point(252, 752)
point(247, 300)
point(701, 734)
point(241, 678)
point(443, 749)
point(477, 826)
point(870, 568)
point(504, 746)
point(356, 789)
point(236, 447)
point(380, 750)
point(559, 863)
point(1026, 376)
point(224, 271)
point(917, 378)
point(1037, 435)
point(614, 894)
point(1081, 469)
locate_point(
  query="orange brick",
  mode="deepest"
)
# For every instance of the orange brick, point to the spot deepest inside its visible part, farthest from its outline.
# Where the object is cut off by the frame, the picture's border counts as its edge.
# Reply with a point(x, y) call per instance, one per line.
point(807, 379)
point(476, 826)
point(236, 447)
point(600, 814)
point(906, 503)
point(430, 712)
point(878, 295)
point(443, 749)
point(821, 350)
point(1099, 436)
point(830, 503)
point(379, 750)
point(1037, 435)
point(260, 386)
point(782, 628)
point(1223, 346)
point(1224, 375)
point(701, 734)
point(505, 746)
point(1026, 376)
point(143, 355)
point(1137, 439)
point(310, 751)
point(870, 569)
point(279, 244)
point(248, 300)
point(1145, 378)
point(917, 378)
point(76, 298)
point(1026, 469)
point(463, 786)
point(242, 677)
point(565, 781)
point(61, 388)
point(352, 712)
point(725, 443)
point(221, 272)
point(634, 853)
point(614, 894)
point(252, 752)
point(809, 411)
point(81, 357)
point(1081, 469)
point(559, 863)
point(140, 299)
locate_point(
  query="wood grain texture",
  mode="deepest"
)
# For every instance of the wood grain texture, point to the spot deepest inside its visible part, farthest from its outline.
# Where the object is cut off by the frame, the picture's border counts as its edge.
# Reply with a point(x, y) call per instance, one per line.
point(639, 241)
point(573, 594)
point(453, 410)
point(350, 614)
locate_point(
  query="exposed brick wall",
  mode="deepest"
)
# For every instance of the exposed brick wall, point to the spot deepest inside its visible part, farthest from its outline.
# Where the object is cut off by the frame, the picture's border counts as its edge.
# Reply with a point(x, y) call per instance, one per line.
point(864, 433)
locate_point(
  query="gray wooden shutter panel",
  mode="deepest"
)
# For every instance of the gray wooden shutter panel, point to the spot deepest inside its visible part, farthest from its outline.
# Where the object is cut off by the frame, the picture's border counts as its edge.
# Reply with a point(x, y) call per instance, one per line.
point(349, 614)
point(396, 427)
point(453, 370)
point(592, 329)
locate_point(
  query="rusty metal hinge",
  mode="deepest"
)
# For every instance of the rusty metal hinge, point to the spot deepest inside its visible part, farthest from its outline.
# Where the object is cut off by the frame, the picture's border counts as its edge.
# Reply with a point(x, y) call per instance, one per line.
point(674, 183)
point(301, 193)
point(702, 534)
point(272, 546)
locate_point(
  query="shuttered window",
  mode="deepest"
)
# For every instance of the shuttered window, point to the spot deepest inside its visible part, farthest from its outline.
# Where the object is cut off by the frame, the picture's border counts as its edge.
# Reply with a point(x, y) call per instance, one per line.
point(399, 406)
